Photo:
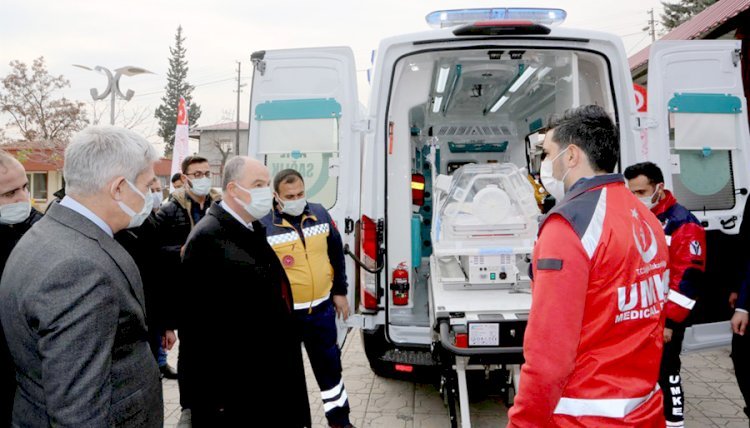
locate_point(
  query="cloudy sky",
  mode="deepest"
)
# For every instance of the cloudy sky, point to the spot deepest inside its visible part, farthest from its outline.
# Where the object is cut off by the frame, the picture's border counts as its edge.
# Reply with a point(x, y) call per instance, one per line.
point(221, 32)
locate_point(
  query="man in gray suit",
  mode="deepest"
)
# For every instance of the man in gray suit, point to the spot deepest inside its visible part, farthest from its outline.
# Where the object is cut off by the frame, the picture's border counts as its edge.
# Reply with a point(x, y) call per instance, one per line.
point(71, 298)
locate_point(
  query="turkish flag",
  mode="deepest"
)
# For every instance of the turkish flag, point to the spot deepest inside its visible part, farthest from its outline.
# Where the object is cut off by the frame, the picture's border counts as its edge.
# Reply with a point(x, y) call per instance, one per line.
point(180, 148)
point(182, 117)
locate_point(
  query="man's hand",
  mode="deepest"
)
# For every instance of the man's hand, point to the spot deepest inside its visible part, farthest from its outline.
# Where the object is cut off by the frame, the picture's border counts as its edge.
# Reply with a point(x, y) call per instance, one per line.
point(739, 322)
point(342, 306)
point(733, 299)
point(182, 251)
point(667, 335)
point(168, 340)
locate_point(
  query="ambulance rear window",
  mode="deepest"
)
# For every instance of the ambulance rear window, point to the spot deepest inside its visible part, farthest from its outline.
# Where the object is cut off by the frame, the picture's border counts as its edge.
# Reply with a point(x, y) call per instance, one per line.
point(303, 135)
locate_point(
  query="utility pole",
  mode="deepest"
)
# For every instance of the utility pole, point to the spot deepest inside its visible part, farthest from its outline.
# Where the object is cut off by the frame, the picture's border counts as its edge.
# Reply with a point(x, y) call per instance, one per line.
point(651, 25)
point(237, 137)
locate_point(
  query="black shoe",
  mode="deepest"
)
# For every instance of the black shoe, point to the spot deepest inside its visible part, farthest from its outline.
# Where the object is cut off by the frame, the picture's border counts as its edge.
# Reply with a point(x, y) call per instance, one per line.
point(168, 372)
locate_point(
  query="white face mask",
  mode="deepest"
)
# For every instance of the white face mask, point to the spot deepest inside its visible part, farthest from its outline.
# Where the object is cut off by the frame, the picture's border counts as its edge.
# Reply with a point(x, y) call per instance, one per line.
point(201, 186)
point(156, 196)
point(555, 187)
point(261, 201)
point(15, 213)
point(651, 201)
point(295, 207)
point(137, 218)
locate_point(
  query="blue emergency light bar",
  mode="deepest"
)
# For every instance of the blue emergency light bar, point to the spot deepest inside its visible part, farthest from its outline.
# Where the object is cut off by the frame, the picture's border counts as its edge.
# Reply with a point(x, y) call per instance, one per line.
point(451, 18)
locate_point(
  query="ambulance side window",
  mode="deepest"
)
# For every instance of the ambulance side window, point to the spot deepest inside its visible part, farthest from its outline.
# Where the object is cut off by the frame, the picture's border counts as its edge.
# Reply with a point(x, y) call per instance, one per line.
point(309, 146)
point(702, 142)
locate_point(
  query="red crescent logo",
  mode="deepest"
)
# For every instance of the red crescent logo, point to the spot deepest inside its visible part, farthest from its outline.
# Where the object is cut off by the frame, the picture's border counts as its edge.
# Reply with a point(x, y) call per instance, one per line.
point(288, 261)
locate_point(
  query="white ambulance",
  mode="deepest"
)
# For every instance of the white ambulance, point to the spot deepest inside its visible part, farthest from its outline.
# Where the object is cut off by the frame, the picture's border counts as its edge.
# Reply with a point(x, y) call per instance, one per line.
point(429, 185)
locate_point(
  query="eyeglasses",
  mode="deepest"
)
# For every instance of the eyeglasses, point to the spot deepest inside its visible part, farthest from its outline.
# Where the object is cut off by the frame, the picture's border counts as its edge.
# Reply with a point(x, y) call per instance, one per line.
point(199, 174)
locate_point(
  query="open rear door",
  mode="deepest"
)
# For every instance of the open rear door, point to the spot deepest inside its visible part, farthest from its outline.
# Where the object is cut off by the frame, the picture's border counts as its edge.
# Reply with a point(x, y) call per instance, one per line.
point(698, 134)
point(303, 113)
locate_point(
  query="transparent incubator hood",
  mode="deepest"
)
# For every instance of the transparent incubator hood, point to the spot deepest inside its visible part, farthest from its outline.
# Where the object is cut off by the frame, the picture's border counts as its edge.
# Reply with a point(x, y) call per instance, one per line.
point(488, 207)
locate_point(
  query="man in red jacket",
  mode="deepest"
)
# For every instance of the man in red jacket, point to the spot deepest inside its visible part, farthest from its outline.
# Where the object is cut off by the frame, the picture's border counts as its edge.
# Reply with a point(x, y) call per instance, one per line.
point(595, 332)
point(687, 262)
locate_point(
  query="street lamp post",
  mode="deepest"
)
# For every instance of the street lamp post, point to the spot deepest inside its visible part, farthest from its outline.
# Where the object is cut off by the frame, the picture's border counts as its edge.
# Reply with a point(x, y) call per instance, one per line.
point(113, 85)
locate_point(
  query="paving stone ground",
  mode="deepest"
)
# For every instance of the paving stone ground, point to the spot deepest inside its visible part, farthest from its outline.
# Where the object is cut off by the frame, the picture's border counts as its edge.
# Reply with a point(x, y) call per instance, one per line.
point(712, 396)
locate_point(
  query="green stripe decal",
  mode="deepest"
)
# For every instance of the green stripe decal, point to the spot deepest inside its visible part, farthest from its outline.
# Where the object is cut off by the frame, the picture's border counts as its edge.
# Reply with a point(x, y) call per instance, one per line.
point(318, 108)
point(705, 103)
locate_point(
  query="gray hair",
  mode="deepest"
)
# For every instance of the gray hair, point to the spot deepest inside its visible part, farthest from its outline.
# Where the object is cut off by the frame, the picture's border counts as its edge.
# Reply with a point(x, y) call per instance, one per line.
point(233, 170)
point(98, 154)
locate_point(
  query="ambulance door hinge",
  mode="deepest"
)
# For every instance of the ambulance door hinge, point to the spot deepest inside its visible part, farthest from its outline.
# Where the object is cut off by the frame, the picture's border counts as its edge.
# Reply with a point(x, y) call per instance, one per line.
point(645, 122)
point(364, 126)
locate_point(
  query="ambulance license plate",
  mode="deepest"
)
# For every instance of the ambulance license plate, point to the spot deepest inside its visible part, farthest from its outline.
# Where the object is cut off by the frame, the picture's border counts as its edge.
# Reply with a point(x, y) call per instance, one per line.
point(484, 334)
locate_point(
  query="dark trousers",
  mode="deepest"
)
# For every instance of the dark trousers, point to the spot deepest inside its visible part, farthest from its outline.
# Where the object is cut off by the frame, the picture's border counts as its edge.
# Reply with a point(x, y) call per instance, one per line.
point(670, 380)
point(213, 418)
point(318, 329)
point(7, 382)
point(183, 367)
point(741, 360)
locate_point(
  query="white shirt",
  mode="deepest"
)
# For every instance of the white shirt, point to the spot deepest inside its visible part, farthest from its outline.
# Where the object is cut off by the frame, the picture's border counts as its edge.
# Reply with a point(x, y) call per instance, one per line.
point(235, 215)
point(76, 206)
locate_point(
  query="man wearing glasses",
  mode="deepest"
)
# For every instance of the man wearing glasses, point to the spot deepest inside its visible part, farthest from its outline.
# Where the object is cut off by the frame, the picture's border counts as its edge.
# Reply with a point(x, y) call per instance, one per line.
point(176, 218)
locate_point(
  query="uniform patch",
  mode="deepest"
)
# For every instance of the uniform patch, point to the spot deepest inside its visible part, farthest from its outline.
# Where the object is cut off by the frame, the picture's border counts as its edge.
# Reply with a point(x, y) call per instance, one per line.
point(549, 264)
point(695, 248)
point(288, 261)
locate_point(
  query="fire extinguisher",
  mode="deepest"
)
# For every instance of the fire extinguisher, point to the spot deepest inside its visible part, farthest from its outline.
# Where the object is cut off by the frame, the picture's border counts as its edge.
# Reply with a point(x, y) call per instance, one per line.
point(400, 285)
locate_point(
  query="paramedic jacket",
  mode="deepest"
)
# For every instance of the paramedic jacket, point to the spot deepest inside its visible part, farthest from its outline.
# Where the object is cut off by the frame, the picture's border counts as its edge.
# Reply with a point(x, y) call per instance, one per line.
point(310, 250)
point(687, 257)
point(594, 338)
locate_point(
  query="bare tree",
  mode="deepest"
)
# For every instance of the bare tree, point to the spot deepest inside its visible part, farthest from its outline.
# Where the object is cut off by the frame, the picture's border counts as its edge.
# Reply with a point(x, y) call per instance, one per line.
point(28, 96)
point(225, 147)
point(135, 118)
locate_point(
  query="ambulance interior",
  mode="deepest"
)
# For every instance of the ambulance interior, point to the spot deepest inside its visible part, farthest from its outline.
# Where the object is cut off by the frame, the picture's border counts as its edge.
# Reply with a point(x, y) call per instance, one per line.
point(476, 115)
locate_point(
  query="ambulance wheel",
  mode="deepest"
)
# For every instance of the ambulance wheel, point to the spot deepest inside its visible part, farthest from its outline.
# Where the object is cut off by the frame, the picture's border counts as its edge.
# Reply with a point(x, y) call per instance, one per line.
point(509, 397)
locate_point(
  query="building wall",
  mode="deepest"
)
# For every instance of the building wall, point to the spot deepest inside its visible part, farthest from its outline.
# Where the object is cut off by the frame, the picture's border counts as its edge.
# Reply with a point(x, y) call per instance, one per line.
point(207, 148)
point(42, 193)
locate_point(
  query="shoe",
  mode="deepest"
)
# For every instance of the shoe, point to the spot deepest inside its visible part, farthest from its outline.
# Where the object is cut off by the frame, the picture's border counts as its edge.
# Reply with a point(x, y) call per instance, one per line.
point(168, 372)
point(186, 419)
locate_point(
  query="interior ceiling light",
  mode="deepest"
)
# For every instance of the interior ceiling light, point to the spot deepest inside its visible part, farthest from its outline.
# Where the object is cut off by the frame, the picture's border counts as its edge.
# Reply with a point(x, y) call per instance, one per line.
point(522, 79)
point(442, 79)
point(499, 103)
point(436, 104)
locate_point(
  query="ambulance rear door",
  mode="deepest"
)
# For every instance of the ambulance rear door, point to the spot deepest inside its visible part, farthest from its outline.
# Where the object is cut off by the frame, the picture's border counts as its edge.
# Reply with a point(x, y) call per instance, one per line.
point(698, 134)
point(303, 115)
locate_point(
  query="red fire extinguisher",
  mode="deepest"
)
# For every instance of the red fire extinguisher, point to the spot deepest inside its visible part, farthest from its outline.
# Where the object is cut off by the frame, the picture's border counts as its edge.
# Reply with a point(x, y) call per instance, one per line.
point(400, 285)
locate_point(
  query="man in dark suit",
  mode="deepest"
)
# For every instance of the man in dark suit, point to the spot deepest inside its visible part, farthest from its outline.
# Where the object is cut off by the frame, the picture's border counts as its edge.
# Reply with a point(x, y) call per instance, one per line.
point(71, 298)
point(232, 278)
point(16, 218)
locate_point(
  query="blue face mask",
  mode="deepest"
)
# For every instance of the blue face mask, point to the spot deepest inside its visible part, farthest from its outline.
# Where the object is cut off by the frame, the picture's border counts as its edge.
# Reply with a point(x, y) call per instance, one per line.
point(200, 186)
point(156, 196)
point(261, 201)
point(294, 208)
point(554, 187)
point(15, 213)
point(137, 218)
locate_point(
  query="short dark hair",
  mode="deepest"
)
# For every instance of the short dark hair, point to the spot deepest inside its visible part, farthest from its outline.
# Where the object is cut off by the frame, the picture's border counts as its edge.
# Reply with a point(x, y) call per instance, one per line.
point(189, 160)
point(176, 177)
point(647, 169)
point(593, 131)
point(286, 176)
